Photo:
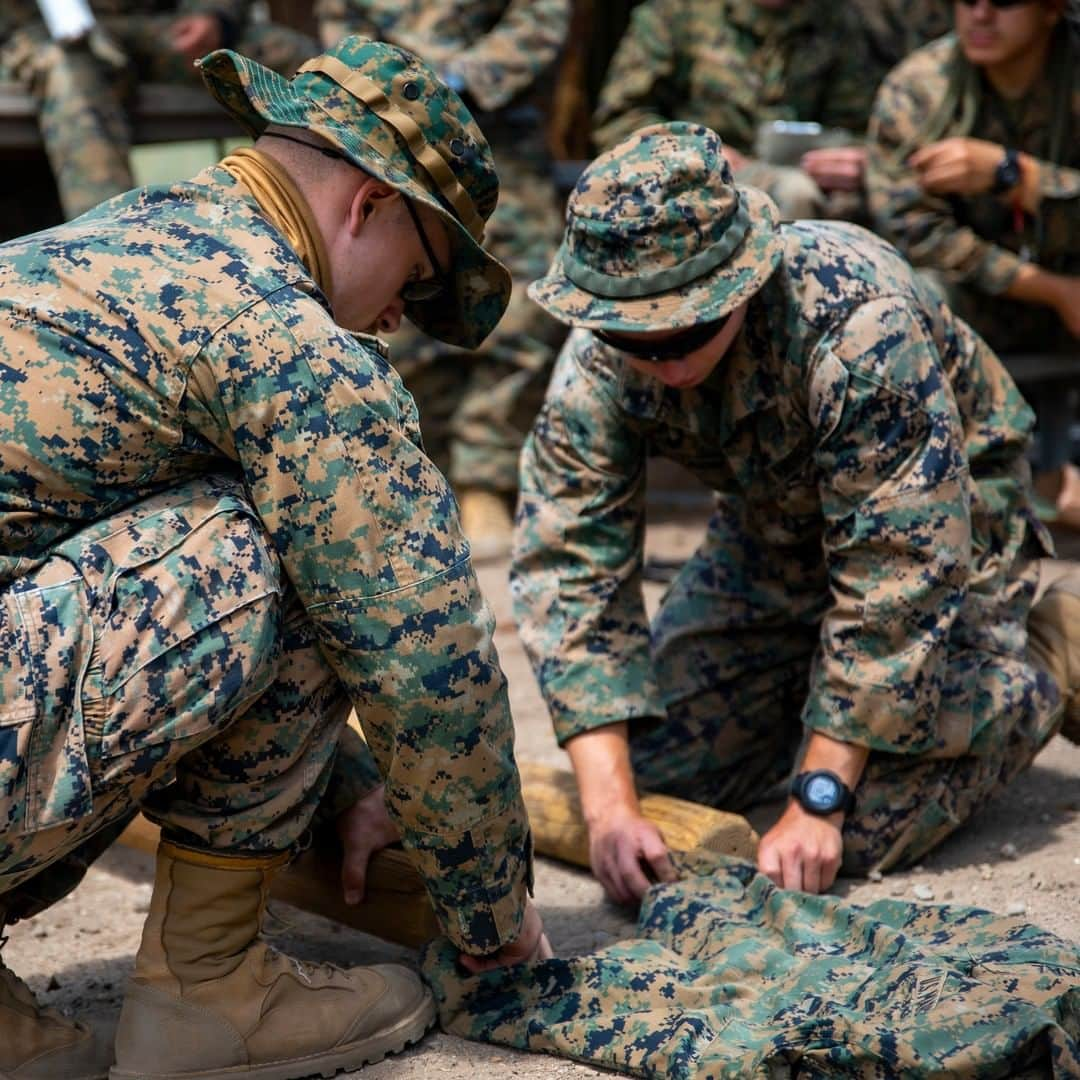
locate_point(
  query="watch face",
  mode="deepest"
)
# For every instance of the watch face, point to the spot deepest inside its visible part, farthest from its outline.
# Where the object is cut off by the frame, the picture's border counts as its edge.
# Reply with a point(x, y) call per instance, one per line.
point(821, 792)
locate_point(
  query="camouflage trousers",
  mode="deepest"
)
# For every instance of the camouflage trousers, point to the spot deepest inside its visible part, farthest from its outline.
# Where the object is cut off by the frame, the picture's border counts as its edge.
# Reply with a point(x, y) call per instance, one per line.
point(158, 660)
point(477, 407)
point(82, 98)
point(730, 978)
point(735, 690)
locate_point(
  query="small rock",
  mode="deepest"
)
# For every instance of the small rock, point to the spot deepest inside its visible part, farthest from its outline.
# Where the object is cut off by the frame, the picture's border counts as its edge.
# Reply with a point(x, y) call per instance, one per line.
point(1045, 819)
point(39, 934)
point(918, 869)
point(875, 875)
point(947, 894)
point(54, 984)
point(986, 871)
point(1008, 851)
point(923, 892)
point(898, 889)
point(1015, 907)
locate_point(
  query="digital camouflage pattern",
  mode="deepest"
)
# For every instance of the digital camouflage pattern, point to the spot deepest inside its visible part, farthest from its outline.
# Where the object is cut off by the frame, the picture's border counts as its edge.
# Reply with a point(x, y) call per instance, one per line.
point(212, 496)
point(866, 573)
point(971, 242)
point(476, 407)
point(896, 28)
point(734, 64)
point(659, 237)
point(82, 96)
point(731, 978)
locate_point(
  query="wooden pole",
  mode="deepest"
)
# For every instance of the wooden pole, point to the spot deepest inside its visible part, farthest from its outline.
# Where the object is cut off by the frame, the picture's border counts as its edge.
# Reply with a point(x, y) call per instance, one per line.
point(397, 907)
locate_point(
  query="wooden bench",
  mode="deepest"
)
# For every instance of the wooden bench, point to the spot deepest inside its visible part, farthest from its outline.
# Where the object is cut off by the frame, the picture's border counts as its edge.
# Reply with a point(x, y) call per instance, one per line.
point(161, 114)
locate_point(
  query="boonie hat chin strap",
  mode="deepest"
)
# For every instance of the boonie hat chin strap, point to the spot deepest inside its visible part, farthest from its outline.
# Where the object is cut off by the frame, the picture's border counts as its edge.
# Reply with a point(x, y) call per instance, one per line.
point(372, 95)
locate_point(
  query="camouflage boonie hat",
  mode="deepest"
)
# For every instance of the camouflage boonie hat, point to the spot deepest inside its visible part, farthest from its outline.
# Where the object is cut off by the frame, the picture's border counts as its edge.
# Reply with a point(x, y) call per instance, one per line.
point(389, 113)
point(659, 237)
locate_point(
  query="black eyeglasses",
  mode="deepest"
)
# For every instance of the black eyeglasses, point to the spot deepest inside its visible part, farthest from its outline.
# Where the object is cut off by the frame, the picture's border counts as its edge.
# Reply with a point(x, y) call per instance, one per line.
point(412, 291)
point(676, 347)
point(997, 3)
point(418, 291)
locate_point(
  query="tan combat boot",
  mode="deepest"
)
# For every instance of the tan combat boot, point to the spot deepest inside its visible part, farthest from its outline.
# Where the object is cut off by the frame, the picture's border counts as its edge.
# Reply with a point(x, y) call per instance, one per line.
point(487, 522)
point(40, 1044)
point(1054, 635)
point(208, 1000)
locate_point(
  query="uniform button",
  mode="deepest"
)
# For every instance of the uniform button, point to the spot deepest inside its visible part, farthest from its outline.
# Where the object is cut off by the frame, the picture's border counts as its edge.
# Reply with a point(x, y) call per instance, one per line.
point(411, 91)
point(457, 147)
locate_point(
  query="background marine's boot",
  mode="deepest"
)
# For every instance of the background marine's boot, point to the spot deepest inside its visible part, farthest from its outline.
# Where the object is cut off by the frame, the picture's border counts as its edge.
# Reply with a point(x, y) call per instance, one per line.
point(40, 1044)
point(1054, 635)
point(210, 1000)
point(487, 522)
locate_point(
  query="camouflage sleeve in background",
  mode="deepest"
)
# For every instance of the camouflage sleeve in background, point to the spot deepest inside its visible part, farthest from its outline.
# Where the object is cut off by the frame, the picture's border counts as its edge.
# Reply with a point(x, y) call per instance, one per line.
point(576, 569)
point(897, 538)
point(643, 79)
point(367, 530)
point(522, 45)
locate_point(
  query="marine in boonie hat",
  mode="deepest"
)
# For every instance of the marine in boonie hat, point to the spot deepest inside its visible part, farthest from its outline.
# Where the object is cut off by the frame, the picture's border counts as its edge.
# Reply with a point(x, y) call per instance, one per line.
point(660, 237)
point(392, 117)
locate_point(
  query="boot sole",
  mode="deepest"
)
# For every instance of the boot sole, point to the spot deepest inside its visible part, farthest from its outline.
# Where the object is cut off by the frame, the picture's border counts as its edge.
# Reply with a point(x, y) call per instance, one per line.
point(407, 1031)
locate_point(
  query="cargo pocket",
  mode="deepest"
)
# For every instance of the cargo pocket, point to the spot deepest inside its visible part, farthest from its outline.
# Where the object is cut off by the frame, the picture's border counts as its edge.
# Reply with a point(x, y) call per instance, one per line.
point(46, 640)
point(185, 616)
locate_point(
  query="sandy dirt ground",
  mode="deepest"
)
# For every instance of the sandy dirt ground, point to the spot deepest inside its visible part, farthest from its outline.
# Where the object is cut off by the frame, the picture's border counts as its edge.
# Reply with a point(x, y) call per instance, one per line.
point(1021, 856)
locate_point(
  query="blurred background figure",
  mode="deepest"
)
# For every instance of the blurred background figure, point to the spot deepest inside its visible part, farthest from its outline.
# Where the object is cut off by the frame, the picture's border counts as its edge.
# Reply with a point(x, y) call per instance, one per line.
point(895, 28)
point(734, 65)
point(974, 173)
point(83, 88)
point(476, 407)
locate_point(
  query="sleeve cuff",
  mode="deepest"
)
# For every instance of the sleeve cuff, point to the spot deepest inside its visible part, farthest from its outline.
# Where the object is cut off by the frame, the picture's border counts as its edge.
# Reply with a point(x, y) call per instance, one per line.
point(479, 880)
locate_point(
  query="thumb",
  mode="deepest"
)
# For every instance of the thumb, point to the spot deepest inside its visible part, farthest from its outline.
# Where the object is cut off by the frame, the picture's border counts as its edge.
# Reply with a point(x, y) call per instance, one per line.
point(354, 877)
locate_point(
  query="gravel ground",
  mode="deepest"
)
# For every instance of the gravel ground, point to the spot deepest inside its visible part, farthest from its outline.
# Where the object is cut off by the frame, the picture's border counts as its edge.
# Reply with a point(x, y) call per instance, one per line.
point(1020, 855)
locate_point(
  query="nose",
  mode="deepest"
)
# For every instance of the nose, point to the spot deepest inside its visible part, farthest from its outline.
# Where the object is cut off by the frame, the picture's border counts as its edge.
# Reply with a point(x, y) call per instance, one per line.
point(390, 317)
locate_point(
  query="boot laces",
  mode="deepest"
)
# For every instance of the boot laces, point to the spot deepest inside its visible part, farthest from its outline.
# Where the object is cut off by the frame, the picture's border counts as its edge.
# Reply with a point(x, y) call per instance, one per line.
point(306, 970)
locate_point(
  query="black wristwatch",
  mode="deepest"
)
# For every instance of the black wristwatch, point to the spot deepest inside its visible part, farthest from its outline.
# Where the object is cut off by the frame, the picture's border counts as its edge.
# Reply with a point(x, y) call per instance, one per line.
point(1007, 173)
point(822, 792)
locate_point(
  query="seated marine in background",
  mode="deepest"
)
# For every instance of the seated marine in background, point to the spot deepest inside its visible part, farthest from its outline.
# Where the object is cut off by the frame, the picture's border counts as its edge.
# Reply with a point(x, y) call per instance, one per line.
point(82, 87)
point(736, 64)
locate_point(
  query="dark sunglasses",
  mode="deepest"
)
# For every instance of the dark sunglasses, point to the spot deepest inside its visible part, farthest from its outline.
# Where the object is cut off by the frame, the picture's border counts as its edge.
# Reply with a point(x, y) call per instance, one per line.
point(997, 3)
point(412, 291)
point(676, 347)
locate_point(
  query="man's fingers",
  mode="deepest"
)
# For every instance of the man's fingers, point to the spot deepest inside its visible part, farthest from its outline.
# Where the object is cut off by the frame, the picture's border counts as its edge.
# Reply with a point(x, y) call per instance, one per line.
point(811, 874)
point(656, 855)
point(769, 863)
point(791, 870)
point(354, 879)
point(633, 877)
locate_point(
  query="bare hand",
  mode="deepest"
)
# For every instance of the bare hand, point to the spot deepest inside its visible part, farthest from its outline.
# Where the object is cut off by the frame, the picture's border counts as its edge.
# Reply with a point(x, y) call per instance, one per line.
point(364, 829)
point(837, 168)
point(531, 944)
point(628, 854)
point(802, 851)
point(958, 166)
point(196, 35)
point(735, 158)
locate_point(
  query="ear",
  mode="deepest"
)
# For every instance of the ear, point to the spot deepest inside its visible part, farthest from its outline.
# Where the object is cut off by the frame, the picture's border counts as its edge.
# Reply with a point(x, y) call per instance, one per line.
point(365, 201)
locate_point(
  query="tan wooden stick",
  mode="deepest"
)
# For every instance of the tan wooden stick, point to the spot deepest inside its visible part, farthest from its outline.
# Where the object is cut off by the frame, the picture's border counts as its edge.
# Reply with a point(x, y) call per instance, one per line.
point(559, 827)
point(397, 907)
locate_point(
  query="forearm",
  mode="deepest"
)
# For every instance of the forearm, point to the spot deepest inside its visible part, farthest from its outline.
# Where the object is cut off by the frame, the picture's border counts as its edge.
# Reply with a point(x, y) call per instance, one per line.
point(846, 760)
point(1034, 285)
point(605, 778)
